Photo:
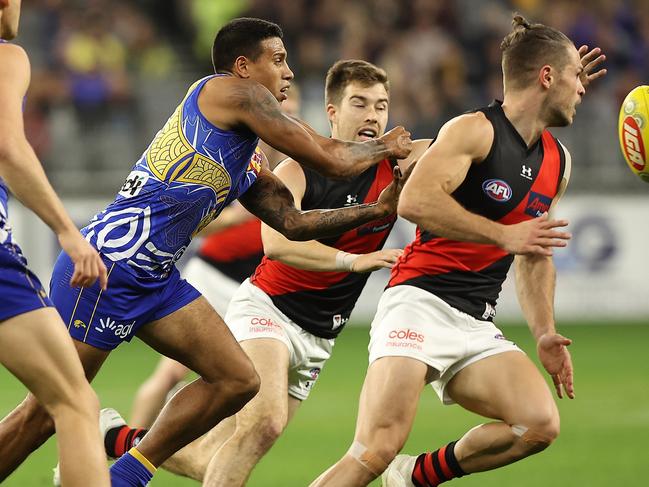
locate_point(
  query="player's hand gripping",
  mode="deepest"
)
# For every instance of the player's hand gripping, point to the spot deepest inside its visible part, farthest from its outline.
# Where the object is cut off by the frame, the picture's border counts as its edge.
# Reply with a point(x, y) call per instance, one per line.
point(389, 197)
point(537, 236)
point(376, 260)
point(555, 357)
point(589, 61)
point(398, 143)
point(88, 266)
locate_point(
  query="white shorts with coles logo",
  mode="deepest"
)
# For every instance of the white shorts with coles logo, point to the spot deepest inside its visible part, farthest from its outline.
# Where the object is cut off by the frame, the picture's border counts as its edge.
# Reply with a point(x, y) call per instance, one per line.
point(252, 314)
point(411, 322)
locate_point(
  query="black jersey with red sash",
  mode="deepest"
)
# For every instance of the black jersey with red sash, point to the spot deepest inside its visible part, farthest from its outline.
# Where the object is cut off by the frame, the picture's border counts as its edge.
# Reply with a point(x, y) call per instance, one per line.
point(321, 302)
point(511, 185)
point(235, 251)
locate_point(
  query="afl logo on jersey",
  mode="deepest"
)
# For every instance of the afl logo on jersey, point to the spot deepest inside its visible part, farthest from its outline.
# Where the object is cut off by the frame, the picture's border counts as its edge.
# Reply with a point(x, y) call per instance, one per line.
point(497, 189)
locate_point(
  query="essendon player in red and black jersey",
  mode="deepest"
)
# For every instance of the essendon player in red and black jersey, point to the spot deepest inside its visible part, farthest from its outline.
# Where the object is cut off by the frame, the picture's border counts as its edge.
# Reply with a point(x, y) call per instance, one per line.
point(321, 302)
point(512, 184)
point(480, 197)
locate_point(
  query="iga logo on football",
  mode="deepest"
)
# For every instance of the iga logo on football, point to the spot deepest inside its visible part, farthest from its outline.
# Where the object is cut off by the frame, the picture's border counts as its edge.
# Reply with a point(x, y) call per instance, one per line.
point(633, 145)
point(497, 190)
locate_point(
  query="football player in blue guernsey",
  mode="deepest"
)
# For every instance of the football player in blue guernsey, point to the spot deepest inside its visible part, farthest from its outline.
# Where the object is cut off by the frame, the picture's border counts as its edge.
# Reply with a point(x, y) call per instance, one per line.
point(34, 345)
point(480, 197)
point(204, 157)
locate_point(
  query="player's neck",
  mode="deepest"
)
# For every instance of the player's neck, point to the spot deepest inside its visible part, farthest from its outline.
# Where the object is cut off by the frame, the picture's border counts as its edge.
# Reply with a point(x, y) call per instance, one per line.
point(523, 112)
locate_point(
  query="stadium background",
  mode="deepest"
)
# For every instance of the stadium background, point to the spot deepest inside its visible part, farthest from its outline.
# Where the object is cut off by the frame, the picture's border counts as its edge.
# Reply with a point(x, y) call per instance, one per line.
point(106, 74)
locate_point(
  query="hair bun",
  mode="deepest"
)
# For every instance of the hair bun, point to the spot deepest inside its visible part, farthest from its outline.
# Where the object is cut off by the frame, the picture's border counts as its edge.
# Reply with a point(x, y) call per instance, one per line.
point(520, 21)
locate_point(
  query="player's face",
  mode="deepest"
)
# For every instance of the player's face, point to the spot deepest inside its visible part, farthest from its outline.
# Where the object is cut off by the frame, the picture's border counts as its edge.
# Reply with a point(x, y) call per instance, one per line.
point(566, 93)
point(362, 113)
point(271, 69)
point(9, 16)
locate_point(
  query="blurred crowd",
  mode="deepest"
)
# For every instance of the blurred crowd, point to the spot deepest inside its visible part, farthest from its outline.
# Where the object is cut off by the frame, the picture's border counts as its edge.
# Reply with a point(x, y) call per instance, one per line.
point(107, 73)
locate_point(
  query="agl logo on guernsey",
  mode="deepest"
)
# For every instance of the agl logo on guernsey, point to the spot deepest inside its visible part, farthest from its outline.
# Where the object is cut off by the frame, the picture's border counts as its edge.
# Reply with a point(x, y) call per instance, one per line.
point(407, 335)
point(497, 189)
point(633, 146)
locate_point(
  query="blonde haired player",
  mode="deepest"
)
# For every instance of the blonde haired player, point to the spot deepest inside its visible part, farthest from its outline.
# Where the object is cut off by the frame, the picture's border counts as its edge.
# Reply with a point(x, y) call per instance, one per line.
point(480, 197)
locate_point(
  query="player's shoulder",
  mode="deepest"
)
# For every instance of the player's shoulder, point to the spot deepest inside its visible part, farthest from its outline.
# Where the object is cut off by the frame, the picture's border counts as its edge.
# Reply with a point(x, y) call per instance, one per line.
point(235, 91)
point(12, 58)
point(289, 166)
point(14, 70)
point(472, 133)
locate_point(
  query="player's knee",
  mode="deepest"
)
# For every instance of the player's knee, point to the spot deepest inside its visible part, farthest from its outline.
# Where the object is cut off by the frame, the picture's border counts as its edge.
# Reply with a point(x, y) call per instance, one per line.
point(374, 457)
point(265, 429)
point(539, 432)
point(36, 419)
point(244, 386)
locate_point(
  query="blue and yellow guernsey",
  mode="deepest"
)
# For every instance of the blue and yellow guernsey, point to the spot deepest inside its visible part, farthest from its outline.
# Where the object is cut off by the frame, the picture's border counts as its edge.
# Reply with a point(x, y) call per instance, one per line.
point(189, 173)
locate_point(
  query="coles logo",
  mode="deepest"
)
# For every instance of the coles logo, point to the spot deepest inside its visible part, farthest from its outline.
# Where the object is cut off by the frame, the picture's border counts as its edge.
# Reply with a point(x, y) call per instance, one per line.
point(497, 190)
point(407, 335)
point(633, 145)
point(262, 322)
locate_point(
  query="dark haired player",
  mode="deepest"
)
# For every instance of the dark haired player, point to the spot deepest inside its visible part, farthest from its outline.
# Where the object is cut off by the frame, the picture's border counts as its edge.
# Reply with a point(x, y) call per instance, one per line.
point(203, 158)
point(479, 194)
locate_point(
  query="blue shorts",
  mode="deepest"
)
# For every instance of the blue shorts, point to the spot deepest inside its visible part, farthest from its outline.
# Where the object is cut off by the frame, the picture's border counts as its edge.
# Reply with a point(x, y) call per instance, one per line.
point(104, 319)
point(20, 289)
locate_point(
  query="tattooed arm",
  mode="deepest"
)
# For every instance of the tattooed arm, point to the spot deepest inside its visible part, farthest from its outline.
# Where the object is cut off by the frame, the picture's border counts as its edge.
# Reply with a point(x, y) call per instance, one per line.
point(237, 104)
point(273, 203)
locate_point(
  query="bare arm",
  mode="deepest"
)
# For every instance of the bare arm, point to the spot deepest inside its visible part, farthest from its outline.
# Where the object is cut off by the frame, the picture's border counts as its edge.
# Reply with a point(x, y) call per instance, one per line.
point(427, 200)
point(273, 203)
point(313, 255)
point(535, 283)
point(24, 175)
point(236, 103)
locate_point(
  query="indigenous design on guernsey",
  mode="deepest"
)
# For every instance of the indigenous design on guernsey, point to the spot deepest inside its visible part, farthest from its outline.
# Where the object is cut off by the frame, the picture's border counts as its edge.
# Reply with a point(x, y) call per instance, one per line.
point(235, 251)
point(321, 302)
point(188, 174)
point(511, 185)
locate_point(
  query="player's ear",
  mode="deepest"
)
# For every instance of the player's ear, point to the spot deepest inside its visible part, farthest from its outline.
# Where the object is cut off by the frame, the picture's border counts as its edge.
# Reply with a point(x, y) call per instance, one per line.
point(546, 76)
point(240, 66)
point(331, 113)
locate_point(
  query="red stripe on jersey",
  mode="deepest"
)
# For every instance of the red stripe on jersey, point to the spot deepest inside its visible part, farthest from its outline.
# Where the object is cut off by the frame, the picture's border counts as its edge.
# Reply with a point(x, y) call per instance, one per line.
point(276, 278)
point(546, 183)
point(236, 242)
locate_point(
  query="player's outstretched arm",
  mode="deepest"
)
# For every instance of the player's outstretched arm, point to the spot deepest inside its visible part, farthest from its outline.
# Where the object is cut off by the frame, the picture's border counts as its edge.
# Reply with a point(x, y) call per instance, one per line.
point(273, 203)
point(313, 255)
point(24, 175)
point(427, 200)
point(535, 283)
point(248, 103)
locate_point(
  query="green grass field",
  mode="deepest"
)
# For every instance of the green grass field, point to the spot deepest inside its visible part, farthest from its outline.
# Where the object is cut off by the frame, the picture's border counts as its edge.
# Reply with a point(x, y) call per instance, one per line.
point(605, 430)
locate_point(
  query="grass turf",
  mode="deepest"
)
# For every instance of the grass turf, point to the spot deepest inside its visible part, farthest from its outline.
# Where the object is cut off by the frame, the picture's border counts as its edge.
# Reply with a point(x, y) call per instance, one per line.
point(604, 431)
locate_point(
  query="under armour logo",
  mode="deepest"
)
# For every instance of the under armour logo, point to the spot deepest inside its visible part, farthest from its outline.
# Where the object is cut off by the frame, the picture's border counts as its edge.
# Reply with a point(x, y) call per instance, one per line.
point(526, 172)
point(351, 199)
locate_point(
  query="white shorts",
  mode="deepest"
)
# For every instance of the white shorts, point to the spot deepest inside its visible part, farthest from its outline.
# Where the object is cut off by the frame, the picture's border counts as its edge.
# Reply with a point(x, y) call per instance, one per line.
point(411, 322)
point(252, 314)
point(211, 283)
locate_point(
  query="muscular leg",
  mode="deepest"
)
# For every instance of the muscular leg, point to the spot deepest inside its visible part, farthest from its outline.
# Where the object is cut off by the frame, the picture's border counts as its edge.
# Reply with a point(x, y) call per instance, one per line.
point(151, 395)
point(387, 409)
point(261, 422)
point(192, 460)
point(197, 337)
point(507, 387)
point(61, 397)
